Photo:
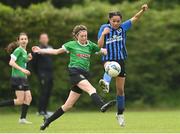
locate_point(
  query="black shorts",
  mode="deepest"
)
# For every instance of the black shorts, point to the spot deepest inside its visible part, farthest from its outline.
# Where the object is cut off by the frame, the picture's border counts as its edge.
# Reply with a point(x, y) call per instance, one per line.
point(76, 75)
point(123, 71)
point(19, 83)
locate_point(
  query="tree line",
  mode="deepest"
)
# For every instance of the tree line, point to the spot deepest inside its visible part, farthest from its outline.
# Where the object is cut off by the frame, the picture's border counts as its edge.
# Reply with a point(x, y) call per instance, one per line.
point(153, 63)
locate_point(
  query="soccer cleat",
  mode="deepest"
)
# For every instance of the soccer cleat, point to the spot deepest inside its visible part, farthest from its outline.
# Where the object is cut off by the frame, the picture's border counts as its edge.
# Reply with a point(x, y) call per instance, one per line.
point(24, 121)
point(41, 113)
point(45, 114)
point(104, 86)
point(49, 113)
point(120, 119)
point(45, 124)
point(107, 105)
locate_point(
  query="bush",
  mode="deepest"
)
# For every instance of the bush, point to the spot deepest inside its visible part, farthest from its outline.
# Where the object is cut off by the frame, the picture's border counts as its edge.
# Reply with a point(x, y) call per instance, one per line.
point(152, 44)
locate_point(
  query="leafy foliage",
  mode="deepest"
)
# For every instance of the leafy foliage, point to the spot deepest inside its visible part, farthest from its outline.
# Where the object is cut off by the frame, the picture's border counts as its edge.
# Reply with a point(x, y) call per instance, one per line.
point(153, 72)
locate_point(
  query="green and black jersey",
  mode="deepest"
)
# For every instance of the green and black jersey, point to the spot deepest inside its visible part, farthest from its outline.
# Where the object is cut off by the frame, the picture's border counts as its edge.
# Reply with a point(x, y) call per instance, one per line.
point(80, 54)
point(20, 56)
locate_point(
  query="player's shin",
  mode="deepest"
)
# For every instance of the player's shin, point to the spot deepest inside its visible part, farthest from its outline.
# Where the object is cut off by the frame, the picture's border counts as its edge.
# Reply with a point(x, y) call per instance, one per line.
point(120, 104)
point(97, 100)
point(59, 112)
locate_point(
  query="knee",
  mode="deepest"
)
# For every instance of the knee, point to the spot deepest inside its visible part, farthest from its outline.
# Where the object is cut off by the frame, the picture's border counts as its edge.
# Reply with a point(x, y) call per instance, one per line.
point(28, 99)
point(91, 91)
point(19, 101)
point(69, 106)
point(120, 91)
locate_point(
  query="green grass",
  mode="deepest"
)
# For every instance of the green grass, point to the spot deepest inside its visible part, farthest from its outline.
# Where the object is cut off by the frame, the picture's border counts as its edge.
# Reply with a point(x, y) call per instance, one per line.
point(89, 122)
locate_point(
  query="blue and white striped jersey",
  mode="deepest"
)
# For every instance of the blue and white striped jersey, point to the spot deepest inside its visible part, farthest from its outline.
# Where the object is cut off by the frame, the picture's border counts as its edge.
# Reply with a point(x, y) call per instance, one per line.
point(115, 41)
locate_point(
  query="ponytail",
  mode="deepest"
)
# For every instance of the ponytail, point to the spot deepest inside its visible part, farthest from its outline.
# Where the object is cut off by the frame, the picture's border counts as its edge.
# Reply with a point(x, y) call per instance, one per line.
point(11, 47)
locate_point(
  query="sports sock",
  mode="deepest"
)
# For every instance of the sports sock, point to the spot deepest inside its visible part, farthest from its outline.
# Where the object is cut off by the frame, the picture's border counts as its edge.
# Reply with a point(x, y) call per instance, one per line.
point(97, 100)
point(7, 103)
point(120, 104)
point(59, 112)
point(107, 78)
point(24, 111)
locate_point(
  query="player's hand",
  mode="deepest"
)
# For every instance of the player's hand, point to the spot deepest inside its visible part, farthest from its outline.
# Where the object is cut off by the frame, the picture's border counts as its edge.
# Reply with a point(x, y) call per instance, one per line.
point(27, 72)
point(35, 49)
point(104, 51)
point(144, 7)
point(30, 57)
point(106, 31)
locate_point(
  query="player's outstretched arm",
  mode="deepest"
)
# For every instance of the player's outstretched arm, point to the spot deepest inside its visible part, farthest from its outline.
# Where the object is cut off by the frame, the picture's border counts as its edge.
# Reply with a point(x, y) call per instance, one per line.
point(36, 49)
point(138, 15)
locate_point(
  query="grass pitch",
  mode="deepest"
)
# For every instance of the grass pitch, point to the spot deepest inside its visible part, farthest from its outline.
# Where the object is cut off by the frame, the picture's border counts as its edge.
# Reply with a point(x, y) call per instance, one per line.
point(96, 122)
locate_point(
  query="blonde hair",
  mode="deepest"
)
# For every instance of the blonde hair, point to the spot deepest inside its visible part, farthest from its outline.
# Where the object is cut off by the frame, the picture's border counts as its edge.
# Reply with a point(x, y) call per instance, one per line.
point(77, 29)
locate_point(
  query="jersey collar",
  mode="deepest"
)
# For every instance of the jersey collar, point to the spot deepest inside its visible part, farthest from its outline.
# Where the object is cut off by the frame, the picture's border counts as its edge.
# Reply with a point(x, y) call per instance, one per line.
point(112, 27)
point(23, 49)
point(83, 44)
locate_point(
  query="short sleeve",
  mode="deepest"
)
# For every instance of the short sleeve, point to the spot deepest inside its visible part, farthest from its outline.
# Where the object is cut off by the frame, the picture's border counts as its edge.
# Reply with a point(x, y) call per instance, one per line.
point(101, 30)
point(16, 54)
point(126, 25)
point(67, 46)
point(95, 48)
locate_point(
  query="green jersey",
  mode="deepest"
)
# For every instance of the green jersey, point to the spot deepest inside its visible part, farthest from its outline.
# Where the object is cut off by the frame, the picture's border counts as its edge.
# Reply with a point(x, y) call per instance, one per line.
point(20, 56)
point(80, 54)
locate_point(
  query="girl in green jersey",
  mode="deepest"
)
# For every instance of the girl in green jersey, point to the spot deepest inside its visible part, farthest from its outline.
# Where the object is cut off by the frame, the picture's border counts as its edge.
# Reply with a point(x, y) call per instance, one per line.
point(80, 51)
point(19, 83)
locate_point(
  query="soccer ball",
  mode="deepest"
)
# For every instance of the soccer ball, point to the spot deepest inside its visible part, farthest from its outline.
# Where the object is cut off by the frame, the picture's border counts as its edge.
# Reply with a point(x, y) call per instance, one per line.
point(113, 69)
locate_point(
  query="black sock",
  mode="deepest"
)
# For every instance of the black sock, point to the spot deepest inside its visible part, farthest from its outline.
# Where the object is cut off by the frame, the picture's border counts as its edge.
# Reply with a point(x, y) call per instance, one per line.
point(7, 103)
point(59, 112)
point(120, 111)
point(24, 111)
point(97, 100)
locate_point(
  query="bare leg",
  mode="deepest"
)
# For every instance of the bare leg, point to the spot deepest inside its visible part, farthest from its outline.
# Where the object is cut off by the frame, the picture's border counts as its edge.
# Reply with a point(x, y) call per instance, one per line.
point(12, 102)
point(86, 86)
point(20, 98)
point(120, 82)
point(72, 98)
point(25, 106)
point(28, 97)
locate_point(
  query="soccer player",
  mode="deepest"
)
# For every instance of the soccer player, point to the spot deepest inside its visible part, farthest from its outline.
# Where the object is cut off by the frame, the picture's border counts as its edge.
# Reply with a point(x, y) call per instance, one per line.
point(19, 82)
point(112, 36)
point(80, 51)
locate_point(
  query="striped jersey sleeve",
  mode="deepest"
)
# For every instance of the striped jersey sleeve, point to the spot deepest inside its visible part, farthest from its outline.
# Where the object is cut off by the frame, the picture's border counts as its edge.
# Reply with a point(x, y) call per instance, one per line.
point(126, 25)
point(101, 30)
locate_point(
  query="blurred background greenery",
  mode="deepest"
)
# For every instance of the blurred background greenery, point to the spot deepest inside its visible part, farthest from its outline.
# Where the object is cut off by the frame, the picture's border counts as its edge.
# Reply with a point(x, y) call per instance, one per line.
point(153, 65)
